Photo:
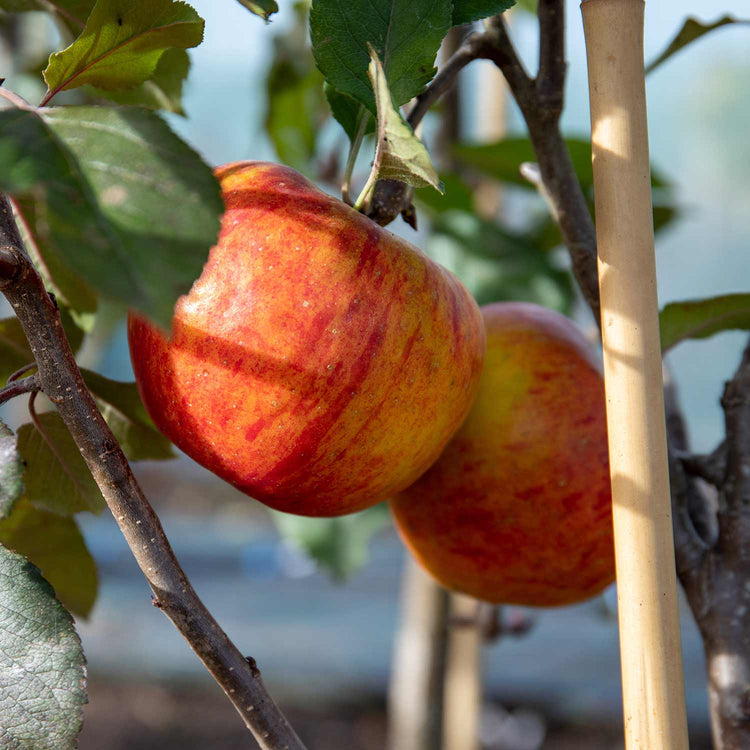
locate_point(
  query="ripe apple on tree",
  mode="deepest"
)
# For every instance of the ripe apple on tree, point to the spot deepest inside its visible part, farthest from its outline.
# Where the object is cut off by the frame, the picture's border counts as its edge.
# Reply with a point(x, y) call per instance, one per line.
point(320, 363)
point(518, 509)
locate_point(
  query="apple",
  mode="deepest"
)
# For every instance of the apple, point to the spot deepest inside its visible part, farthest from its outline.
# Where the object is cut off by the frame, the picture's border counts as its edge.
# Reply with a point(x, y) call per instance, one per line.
point(518, 507)
point(320, 363)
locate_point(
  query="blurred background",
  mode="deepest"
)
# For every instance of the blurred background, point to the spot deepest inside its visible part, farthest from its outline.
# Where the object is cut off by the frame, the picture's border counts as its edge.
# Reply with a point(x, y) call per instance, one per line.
point(325, 642)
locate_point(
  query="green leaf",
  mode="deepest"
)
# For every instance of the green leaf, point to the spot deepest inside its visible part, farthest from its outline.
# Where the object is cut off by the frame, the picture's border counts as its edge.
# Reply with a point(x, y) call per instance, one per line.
point(263, 8)
point(691, 30)
point(163, 90)
point(528, 5)
point(502, 160)
point(399, 154)
point(11, 470)
point(73, 12)
point(42, 667)
point(406, 37)
point(127, 205)
point(339, 545)
point(699, 319)
point(55, 545)
point(56, 477)
point(457, 196)
point(466, 11)
point(121, 406)
point(121, 44)
point(14, 348)
point(347, 111)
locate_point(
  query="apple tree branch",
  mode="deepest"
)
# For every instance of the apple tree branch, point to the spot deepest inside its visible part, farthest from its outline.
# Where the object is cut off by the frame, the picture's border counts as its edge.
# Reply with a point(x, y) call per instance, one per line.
point(59, 378)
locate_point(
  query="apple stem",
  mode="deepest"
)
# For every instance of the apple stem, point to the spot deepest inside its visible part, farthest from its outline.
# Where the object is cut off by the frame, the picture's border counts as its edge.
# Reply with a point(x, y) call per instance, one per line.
point(369, 185)
point(364, 119)
point(652, 677)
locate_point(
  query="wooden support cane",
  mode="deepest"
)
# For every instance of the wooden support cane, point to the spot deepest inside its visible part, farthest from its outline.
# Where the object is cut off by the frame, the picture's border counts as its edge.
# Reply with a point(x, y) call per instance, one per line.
point(653, 690)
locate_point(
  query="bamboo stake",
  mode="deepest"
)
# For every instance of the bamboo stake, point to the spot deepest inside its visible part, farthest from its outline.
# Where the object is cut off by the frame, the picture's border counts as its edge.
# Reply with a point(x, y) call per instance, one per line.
point(653, 690)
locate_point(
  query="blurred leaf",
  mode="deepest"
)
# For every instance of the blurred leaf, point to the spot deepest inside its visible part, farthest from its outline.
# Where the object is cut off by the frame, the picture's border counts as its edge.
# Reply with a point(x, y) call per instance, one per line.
point(664, 215)
point(121, 44)
point(56, 477)
point(466, 11)
point(399, 154)
point(55, 545)
point(73, 12)
point(163, 90)
point(42, 667)
point(457, 196)
point(121, 406)
point(11, 470)
point(126, 203)
point(699, 319)
point(14, 348)
point(502, 160)
point(263, 8)
point(406, 37)
point(338, 545)
point(528, 5)
point(691, 30)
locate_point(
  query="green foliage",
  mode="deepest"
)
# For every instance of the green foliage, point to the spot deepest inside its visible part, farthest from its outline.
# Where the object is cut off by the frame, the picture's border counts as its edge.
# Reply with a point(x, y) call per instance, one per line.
point(122, 43)
point(73, 12)
point(55, 545)
point(14, 348)
point(399, 154)
point(263, 8)
point(126, 416)
point(406, 37)
point(56, 477)
point(691, 30)
point(466, 11)
point(699, 319)
point(338, 545)
point(11, 470)
point(347, 112)
point(126, 204)
point(42, 667)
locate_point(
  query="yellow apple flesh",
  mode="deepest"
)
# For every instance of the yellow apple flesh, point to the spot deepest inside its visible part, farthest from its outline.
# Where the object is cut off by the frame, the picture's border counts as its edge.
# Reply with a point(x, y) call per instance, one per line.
point(518, 508)
point(320, 363)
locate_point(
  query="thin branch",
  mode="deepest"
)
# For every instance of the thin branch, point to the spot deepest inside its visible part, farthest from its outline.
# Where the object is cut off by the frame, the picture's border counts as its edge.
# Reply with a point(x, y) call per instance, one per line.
point(550, 80)
point(19, 387)
point(61, 381)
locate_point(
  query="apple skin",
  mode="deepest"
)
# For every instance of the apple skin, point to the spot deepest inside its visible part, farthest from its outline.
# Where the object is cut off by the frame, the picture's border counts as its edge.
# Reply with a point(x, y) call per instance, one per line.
point(518, 509)
point(320, 363)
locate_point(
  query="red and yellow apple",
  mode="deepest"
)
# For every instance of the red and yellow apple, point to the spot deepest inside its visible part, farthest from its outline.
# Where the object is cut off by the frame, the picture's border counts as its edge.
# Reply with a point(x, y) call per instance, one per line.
point(518, 508)
point(320, 363)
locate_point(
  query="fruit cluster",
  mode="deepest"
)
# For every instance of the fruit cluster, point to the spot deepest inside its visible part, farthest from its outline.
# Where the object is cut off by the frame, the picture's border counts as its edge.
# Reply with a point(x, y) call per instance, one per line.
point(321, 365)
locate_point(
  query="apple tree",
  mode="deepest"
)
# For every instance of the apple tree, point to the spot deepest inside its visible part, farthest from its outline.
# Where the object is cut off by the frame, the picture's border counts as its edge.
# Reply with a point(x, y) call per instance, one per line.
point(102, 201)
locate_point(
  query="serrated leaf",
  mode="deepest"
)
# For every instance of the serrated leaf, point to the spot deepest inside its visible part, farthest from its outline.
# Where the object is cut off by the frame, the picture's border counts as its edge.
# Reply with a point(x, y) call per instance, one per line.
point(406, 37)
point(263, 8)
point(399, 154)
point(121, 406)
point(699, 319)
point(42, 667)
point(56, 546)
point(11, 470)
point(691, 30)
point(163, 90)
point(502, 160)
point(127, 204)
point(56, 477)
point(466, 11)
point(121, 44)
point(339, 545)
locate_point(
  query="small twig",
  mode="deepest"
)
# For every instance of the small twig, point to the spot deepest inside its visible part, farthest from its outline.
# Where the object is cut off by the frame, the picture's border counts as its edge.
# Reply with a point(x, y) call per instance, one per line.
point(550, 79)
point(18, 388)
point(17, 101)
point(61, 381)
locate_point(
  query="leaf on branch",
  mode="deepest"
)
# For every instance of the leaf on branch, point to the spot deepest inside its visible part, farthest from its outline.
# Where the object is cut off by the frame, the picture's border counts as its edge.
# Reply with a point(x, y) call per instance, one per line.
point(338, 545)
point(56, 477)
point(56, 546)
point(700, 319)
point(121, 406)
point(263, 8)
point(399, 154)
point(406, 37)
point(163, 90)
point(121, 44)
point(692, 29)
point(11, 470)
point(125, 203)
point(466, 11)
point(42, 667)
